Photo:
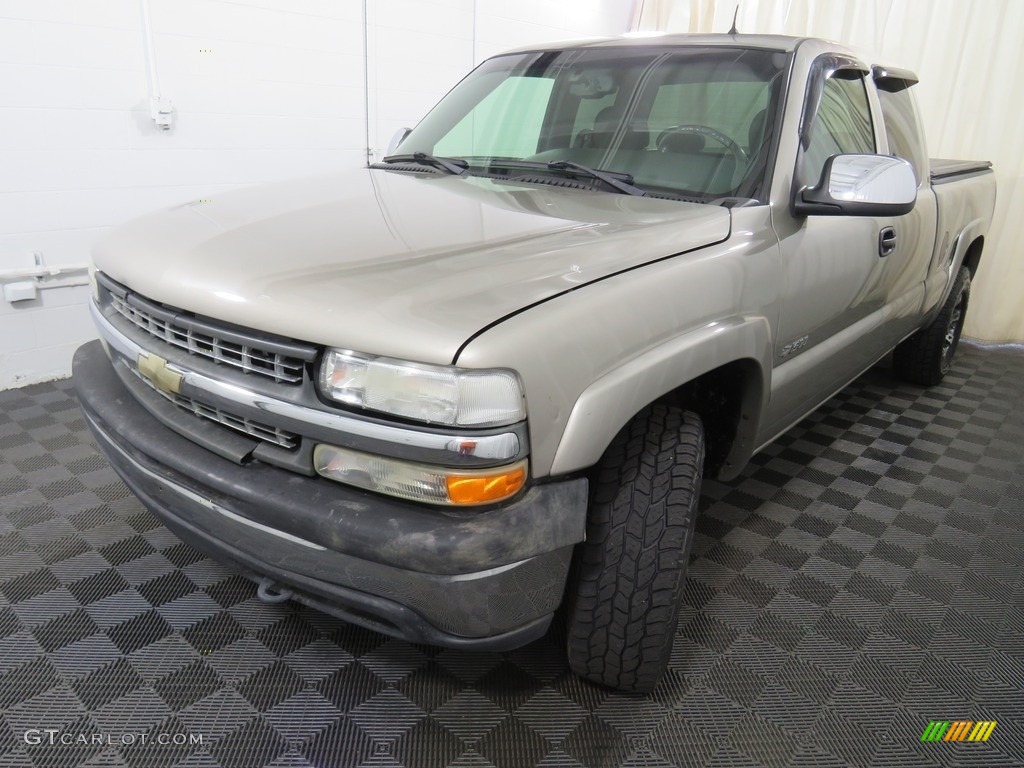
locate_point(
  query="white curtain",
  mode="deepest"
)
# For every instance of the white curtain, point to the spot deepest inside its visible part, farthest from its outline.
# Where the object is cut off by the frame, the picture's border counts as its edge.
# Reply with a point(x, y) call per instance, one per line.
point(969, 55)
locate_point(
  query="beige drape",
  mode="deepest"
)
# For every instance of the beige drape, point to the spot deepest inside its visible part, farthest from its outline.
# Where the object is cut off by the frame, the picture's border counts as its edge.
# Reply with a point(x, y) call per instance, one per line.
point(969, 55)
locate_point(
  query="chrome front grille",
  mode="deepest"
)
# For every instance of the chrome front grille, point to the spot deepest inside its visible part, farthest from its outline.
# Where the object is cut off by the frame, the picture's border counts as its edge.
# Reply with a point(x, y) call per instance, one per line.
point(249, 427)
point(250, 358)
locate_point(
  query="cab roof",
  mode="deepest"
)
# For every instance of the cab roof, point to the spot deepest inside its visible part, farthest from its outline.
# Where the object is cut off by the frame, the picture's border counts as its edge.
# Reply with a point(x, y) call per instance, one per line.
point(813, 46)
point(783, 43)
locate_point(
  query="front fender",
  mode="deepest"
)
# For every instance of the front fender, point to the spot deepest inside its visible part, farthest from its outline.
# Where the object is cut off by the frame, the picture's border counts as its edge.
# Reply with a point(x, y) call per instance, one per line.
point(609, 403)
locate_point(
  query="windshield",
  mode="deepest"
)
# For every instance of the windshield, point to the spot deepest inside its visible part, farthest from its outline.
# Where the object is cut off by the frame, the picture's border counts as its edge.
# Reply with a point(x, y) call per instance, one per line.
point(695, 122)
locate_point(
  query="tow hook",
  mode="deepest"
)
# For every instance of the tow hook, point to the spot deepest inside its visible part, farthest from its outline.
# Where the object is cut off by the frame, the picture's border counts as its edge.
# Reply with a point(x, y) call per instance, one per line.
point(269, 592)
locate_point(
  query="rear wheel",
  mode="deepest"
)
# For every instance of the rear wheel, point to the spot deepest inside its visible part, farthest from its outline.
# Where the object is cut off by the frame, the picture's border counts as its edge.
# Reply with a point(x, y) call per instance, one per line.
point(926, 357)
point(624, 600)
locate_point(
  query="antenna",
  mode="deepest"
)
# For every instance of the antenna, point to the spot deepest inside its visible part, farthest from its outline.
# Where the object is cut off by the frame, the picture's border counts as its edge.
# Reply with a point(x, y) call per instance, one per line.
point(736, 13)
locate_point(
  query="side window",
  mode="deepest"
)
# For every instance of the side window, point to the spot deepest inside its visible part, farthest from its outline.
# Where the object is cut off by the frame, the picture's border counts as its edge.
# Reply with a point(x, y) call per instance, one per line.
point(506, 123)
point(902, 128)
point(842, 125)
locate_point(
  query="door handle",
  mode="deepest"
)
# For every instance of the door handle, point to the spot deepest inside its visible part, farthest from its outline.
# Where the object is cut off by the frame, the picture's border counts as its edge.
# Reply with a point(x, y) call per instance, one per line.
point(886, 241)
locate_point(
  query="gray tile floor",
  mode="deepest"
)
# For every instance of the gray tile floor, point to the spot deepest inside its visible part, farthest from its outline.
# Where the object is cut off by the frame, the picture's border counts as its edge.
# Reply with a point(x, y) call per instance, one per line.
point(862, 579)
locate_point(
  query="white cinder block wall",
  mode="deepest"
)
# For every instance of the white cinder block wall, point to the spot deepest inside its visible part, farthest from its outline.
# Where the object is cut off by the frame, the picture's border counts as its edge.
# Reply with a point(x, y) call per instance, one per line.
point(262, 90)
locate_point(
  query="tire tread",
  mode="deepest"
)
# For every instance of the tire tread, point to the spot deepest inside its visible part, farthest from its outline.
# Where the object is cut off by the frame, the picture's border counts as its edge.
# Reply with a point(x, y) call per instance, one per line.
point(630, 570)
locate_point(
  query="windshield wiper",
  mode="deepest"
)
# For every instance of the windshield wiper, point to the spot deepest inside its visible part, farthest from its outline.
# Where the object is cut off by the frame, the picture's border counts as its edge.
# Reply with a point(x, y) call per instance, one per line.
point(453, 165)
point(620, 181)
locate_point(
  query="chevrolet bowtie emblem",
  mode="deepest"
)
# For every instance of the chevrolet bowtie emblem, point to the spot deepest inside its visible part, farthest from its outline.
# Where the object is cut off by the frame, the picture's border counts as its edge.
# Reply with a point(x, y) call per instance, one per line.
point(154, 368)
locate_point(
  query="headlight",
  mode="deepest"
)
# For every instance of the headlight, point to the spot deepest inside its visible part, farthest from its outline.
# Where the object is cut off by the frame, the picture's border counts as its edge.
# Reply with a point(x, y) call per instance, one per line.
point(457, 397)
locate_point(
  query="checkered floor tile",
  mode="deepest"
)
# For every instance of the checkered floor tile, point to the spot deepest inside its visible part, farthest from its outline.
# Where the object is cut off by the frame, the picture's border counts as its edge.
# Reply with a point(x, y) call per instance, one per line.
point(862, 579)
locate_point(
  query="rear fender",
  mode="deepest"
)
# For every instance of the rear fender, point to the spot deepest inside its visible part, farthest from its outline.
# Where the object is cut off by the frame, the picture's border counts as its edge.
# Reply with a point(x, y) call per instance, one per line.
point(974, 231)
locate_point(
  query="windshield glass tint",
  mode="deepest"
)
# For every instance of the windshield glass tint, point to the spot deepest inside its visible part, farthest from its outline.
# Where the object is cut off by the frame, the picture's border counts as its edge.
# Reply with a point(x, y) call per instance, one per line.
point(695, 121)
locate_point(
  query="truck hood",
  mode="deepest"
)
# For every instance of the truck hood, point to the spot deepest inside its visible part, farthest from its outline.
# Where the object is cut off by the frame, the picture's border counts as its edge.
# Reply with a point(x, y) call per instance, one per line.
point(390, 263)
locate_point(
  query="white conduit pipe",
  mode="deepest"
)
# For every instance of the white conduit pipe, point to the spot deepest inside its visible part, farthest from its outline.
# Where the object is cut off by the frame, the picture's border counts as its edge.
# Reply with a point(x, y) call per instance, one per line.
point(160, 109)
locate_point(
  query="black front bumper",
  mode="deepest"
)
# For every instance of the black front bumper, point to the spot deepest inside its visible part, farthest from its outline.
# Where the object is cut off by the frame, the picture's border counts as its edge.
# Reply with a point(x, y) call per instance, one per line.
point(490, 580)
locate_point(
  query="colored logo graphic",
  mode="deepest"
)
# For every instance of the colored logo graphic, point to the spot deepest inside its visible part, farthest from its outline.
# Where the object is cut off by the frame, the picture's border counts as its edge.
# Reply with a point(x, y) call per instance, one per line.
point(958, 730)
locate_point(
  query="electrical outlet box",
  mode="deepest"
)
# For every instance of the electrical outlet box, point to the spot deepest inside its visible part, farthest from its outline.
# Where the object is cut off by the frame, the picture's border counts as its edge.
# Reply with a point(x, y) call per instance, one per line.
point(162, 112)
point(24, 290)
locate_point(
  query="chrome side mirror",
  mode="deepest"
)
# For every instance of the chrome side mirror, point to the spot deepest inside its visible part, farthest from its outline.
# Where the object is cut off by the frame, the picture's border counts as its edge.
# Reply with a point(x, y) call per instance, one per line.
point(860, 185)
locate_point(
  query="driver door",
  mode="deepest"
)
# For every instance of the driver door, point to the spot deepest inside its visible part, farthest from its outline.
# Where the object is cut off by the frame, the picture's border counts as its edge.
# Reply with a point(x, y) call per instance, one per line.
point(831, 321)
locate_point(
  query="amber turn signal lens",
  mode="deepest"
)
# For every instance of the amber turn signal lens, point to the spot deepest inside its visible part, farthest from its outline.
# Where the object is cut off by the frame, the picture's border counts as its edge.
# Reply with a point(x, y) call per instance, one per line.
point(482, 489)
point(418, 482)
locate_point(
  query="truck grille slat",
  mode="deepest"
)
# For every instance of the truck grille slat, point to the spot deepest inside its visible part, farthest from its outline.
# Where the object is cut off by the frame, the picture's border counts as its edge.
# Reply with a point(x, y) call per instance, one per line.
point(281, 437)
point(251, 359)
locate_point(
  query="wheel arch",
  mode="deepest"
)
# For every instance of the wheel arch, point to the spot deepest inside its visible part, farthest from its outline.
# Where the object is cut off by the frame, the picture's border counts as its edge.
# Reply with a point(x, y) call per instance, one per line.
point(719, 371)
point(966, 249)
point(728, 400)
point(972, 257)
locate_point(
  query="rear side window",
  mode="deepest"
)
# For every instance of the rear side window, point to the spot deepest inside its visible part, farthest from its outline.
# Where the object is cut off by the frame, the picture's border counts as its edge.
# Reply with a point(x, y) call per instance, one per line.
point(842, 124)
point(903, 129)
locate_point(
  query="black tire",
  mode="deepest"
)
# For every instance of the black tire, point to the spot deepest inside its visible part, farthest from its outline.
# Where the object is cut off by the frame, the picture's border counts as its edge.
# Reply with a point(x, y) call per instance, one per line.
point(628, 574)
point(926, 357)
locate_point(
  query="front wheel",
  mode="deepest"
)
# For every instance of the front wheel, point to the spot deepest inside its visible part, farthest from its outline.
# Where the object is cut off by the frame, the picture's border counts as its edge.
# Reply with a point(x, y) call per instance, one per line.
point(624, 601)
point(926, 357)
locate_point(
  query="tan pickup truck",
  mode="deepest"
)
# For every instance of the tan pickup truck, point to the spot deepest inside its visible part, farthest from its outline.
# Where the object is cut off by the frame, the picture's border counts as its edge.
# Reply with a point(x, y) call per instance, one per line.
point(440, 396)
